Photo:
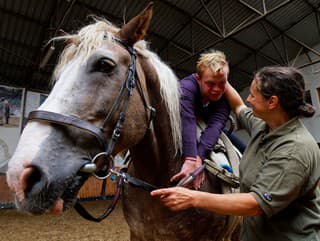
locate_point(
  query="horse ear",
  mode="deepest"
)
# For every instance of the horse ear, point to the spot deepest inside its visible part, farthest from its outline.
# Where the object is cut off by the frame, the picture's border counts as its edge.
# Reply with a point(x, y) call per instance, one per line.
point(137, 27)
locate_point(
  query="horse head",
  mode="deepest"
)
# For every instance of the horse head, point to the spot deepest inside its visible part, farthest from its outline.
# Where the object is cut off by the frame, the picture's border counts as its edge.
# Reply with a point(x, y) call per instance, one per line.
point(89, 105)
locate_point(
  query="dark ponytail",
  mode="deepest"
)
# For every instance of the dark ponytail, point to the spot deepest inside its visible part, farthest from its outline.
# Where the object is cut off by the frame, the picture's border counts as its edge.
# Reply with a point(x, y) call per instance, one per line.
point(306, 110)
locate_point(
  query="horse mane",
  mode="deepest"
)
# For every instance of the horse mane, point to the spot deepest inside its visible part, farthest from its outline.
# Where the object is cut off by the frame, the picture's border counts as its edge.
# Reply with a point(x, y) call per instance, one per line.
point(87, 39)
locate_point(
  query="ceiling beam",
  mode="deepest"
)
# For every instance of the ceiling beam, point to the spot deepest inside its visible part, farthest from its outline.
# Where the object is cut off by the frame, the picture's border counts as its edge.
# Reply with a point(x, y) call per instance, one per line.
point(258, 52)
point(187, 23)
point(251, 7)
point(63, 17)
point(292, 38)
point(280, 34)
point(295, 39)
point(206, 27)
point(249, 24)
point(285, 48)
point(169, 42)
point(316, 12)
point(309, 64)
point(211, 18)
point(191, 17)
point(151, 33)
point(311, 5)
point(274, 44)
point(56, 8)
point(297, 56)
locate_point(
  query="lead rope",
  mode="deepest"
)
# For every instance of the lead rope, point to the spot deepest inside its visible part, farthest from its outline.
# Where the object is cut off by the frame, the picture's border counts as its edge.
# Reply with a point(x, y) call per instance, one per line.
point(85, 214)
point(123, 177)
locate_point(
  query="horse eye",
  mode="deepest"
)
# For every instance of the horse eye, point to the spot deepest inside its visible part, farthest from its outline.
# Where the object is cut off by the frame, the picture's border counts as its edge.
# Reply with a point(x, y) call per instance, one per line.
point(104, 65)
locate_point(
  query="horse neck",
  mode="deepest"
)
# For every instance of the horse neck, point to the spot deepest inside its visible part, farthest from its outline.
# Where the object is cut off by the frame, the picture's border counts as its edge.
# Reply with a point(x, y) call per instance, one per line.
point(155, 158)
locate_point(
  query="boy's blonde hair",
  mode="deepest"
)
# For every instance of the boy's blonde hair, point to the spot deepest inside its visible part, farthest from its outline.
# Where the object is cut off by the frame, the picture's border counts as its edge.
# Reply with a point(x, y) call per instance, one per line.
point(214, 59)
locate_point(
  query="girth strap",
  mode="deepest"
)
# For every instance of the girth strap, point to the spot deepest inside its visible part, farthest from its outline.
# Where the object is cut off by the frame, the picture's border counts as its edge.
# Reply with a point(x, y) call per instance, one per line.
point(73, 121)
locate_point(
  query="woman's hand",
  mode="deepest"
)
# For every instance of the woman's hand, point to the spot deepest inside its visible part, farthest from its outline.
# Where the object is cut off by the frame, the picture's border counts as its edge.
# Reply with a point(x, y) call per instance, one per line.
point(176, 198)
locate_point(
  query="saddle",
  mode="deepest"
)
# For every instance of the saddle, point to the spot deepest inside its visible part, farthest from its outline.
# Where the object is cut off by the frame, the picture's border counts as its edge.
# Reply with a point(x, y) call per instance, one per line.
point(223, 161)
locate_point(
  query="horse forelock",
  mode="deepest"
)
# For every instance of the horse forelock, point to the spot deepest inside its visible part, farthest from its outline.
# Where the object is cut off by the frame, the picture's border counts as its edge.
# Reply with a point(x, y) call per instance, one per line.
point(86, 40)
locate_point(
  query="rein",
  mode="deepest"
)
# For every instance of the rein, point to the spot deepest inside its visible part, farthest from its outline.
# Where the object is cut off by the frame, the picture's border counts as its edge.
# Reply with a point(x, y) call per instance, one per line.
point(123, 177)
point(106, 143)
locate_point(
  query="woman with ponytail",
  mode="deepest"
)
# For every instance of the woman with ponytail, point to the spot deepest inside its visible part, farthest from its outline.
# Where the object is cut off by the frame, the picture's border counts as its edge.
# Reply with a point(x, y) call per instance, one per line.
point(280, 169)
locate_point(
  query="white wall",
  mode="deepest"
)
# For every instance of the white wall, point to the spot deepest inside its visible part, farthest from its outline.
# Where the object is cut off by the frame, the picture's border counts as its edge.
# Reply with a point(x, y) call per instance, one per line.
point(312, 78)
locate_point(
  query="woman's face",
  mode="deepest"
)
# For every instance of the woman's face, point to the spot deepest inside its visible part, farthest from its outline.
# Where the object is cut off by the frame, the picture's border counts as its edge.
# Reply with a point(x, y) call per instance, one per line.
point(258, 103)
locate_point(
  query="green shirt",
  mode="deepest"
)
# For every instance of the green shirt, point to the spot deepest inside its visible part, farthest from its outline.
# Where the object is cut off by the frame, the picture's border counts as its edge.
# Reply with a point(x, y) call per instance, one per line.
point(281, 169)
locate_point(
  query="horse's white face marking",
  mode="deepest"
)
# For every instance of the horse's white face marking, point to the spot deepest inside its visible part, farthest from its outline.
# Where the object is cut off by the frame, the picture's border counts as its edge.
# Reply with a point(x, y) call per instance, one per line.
point(60, 98)
point(35, 133)
point(26, 151)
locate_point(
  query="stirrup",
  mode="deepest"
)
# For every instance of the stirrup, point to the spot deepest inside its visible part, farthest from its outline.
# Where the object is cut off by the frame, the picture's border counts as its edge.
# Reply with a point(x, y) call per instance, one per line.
point(222, 173)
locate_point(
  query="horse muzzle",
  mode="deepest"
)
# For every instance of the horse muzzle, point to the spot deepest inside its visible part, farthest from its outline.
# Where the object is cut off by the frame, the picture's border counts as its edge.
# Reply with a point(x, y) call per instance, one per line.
point(41, 190)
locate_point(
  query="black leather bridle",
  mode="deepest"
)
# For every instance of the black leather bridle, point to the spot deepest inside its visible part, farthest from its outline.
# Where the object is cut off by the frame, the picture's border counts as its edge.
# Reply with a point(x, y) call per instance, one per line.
point(98, 132)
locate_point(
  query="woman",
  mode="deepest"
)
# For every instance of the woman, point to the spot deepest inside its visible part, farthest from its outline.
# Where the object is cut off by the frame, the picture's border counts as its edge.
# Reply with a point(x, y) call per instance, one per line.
point(279, 170)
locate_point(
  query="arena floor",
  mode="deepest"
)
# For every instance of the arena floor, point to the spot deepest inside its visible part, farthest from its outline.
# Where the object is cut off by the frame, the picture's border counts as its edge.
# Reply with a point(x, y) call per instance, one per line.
point(16, 226)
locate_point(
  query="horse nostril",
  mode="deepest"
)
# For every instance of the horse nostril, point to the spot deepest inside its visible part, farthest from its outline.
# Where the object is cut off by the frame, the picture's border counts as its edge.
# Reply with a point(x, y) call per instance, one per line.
point(29, 178)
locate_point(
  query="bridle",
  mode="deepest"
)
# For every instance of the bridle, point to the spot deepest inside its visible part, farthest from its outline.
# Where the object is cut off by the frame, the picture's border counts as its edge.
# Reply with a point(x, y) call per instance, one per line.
point(98, 132)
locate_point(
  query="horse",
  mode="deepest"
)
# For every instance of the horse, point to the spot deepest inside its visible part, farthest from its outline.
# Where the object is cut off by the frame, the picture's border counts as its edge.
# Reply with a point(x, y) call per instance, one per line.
point(94, 108)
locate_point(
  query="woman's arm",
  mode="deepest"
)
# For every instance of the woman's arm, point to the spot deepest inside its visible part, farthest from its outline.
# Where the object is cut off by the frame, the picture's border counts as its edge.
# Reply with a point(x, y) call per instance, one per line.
point(237, 204)
point(234, 99)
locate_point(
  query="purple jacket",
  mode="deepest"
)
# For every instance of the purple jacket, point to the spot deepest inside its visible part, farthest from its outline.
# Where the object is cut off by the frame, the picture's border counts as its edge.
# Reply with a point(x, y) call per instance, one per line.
point(215, 114)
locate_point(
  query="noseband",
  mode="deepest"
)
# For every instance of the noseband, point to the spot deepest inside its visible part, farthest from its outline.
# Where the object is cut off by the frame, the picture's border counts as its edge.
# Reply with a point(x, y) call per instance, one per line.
point(98, 132)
